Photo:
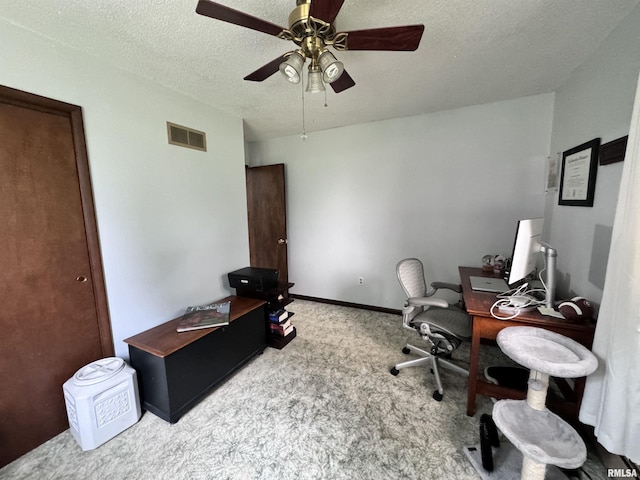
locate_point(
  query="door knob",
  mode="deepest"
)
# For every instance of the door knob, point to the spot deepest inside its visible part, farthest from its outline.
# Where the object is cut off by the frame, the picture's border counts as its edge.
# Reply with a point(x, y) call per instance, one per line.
point(282, 241)
point(81, 279)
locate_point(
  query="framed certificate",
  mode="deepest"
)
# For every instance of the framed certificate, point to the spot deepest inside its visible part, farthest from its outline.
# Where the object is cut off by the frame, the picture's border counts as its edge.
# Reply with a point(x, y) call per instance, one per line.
point(578, 174)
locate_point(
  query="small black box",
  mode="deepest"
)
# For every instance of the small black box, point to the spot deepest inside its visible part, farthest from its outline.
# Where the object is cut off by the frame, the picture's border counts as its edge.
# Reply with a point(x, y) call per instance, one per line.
point(254, 278)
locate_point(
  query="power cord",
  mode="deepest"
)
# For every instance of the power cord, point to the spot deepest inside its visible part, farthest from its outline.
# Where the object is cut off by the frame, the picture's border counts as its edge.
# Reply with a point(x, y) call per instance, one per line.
point(514, 302)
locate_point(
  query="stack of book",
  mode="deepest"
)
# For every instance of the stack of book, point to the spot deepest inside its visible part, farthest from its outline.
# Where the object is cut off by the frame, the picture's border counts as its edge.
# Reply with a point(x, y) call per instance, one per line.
point(280, 323)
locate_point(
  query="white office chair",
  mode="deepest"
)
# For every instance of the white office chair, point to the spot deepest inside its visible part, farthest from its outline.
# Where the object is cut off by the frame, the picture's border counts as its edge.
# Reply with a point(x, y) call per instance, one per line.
point(444, 326)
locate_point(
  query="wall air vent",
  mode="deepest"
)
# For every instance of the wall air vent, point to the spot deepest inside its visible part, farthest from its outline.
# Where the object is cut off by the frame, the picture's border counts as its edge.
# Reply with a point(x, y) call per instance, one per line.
point(186, 137)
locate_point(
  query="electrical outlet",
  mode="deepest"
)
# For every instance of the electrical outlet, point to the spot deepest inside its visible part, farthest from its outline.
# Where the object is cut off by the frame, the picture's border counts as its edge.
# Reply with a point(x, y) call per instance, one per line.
point(360, 280)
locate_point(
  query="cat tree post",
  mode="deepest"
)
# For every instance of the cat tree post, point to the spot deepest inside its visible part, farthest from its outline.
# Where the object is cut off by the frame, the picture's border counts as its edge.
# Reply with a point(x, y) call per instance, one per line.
point(543, 437)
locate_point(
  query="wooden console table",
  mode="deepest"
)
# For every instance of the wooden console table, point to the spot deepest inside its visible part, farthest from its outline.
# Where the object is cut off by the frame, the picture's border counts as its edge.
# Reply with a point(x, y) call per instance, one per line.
point(176, 370)
point(486, 327)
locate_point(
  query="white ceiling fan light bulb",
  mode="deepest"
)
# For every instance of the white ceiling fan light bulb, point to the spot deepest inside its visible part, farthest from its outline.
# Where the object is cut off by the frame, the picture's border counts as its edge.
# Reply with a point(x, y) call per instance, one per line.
point(292, 67)
point(330, 66)
point(291, 74)
point(333, 72)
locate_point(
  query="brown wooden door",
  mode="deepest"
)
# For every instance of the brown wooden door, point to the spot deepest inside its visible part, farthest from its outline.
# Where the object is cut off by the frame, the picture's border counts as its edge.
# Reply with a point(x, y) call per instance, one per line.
point(52, 296)
point(266, 205)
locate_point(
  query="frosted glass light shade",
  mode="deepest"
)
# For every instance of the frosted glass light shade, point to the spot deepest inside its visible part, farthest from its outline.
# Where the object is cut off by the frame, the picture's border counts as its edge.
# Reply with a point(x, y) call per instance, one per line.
point(330, 66)
point(291, 68)
point(314, 83)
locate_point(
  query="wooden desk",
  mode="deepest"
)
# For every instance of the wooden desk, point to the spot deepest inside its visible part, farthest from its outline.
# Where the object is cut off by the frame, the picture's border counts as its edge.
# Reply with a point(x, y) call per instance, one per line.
point(176, 370)
point(485, 326)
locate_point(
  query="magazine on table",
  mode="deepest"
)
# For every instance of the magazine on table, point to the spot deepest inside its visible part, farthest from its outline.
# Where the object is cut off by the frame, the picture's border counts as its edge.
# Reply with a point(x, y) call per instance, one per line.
point(205, 316)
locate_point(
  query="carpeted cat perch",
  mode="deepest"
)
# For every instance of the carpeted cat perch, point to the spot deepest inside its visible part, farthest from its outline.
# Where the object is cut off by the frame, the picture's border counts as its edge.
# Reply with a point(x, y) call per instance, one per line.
point(540, 437)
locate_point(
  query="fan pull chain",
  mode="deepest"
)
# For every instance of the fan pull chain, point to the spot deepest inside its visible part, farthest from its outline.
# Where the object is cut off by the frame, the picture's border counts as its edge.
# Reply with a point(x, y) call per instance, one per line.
point(304, 131)
point(325, 97)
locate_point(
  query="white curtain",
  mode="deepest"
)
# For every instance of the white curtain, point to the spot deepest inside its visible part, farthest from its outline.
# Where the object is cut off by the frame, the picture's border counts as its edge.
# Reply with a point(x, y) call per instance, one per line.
point(611, 400)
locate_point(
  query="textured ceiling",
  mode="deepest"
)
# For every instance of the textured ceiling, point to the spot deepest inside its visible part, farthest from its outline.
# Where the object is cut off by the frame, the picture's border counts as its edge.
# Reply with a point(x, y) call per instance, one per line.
point(472, 52)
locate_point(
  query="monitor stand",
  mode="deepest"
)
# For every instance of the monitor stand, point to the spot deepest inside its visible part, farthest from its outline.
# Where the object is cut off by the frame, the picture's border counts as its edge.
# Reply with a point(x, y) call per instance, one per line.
point(550, 255)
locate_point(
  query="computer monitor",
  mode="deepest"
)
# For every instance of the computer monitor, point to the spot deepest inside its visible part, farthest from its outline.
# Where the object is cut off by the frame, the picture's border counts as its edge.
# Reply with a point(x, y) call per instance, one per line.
point(526, 247)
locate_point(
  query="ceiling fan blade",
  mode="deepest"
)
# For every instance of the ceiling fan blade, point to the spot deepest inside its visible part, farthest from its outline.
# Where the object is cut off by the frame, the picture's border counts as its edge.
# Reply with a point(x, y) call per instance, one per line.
point(345, 81)
point(226, 14)
point(406, 38)
point(326, 10)
point(266, 71)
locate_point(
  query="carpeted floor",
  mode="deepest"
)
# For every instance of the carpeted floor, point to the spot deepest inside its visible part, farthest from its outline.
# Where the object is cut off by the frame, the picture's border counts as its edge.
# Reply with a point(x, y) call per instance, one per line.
point(324, 407)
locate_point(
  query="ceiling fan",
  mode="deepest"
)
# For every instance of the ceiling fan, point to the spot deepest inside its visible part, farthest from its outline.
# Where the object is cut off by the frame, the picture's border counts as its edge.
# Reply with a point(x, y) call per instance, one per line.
point(311, 29)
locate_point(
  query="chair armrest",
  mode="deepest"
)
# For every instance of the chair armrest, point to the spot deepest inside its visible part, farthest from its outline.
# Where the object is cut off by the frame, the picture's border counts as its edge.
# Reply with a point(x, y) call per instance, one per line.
point(449, 286)
point(427, 302)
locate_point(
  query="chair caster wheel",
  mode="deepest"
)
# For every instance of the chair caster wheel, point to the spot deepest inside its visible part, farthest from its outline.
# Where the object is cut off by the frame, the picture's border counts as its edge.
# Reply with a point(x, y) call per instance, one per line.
point(437, 396)
point(394, 371)
point(406, 351)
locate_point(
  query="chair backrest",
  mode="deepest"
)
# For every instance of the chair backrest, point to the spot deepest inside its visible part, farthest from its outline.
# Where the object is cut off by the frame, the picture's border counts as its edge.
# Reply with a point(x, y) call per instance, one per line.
point(411, 277)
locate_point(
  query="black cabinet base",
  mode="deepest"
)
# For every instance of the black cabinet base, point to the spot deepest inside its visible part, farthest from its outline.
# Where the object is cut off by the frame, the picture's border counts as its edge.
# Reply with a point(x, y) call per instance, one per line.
point(162, 410)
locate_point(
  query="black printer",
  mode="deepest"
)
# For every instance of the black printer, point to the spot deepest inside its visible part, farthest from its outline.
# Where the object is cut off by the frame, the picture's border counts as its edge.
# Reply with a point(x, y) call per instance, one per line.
point(254, 278)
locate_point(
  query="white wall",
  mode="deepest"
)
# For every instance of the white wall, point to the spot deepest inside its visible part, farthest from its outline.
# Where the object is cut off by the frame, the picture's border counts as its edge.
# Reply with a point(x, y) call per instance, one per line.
point(447, 188)
point(172, 221)
point(595, 102)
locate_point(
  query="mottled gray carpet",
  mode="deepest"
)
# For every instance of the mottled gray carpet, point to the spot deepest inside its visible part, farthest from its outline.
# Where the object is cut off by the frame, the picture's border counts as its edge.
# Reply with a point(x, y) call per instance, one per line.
point(324, 407)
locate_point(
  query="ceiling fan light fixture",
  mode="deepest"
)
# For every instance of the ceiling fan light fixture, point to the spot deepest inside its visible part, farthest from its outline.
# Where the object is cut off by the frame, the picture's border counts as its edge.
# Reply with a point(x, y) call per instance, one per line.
point(330, 66)
point(291, 68)
point(311, 27)
point(314, 83)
